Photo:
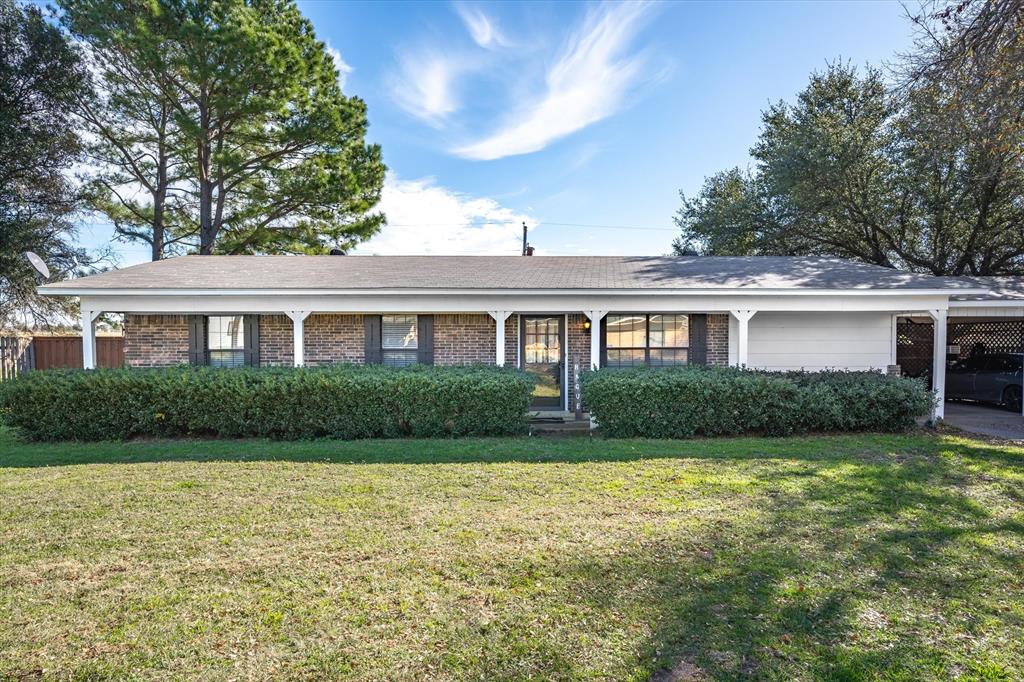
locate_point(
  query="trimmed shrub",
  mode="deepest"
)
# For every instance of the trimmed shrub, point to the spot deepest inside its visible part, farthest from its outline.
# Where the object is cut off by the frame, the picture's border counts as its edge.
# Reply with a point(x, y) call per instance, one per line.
point(718, 401)
point(346, 401)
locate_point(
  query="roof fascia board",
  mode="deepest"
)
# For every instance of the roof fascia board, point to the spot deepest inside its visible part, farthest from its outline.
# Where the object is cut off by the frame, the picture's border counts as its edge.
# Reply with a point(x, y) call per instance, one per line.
point(70, 291)
point(481, 304)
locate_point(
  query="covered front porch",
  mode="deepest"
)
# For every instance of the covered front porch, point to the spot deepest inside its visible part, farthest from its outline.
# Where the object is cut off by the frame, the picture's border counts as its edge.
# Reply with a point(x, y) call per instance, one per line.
point(556, 335)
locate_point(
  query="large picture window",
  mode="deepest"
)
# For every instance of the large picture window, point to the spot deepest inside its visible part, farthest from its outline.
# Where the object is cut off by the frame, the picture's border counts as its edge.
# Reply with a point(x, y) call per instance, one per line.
point(225, 341)
point(654, 340)
point(399, 340)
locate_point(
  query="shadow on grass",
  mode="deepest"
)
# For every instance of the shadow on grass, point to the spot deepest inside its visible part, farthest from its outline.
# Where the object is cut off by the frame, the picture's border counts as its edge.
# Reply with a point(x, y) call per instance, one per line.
point(878, 573)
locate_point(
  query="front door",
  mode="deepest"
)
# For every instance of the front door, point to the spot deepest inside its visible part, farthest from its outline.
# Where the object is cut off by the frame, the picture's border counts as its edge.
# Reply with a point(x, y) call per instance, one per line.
point(541, 350)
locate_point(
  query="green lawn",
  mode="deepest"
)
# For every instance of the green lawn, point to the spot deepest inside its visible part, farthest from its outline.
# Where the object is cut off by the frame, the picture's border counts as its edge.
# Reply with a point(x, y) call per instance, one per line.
point(847, 558)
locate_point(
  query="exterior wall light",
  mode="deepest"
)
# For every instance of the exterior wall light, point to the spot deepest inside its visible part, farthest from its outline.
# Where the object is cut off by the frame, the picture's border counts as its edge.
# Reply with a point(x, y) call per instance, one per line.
point(586, 324)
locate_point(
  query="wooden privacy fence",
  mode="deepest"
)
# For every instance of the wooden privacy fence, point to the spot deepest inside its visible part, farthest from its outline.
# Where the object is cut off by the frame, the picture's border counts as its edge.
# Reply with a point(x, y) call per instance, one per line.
point(23, 353)
point(52, 352)
point(15, 356)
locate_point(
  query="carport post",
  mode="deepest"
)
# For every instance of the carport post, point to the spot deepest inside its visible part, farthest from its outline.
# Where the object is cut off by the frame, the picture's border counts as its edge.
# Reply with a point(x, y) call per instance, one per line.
point(89, 338)
point(939, 317)
point(743, 335)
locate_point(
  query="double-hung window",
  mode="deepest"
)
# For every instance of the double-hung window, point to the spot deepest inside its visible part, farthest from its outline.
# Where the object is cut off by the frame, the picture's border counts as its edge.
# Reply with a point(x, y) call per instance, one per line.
point(225, 341)
point(399, 340)
point(653, 340)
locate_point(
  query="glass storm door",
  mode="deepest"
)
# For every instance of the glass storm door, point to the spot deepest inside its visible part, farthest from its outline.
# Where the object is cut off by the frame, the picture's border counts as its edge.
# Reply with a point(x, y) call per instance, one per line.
point(542, 340)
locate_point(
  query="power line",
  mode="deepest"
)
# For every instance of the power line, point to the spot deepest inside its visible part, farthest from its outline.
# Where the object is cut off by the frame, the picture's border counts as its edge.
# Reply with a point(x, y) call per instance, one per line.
point(541, 223)
point(650, 228)
point(615, 227)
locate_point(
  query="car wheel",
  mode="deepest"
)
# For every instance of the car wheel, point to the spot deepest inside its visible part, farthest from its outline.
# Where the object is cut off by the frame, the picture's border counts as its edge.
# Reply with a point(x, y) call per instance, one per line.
point(1011, 398)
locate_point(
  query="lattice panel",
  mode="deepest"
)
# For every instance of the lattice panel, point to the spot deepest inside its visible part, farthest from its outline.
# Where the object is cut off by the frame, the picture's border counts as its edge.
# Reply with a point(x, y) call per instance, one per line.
point(914, 342)
point(986, 338)
point(914, 348)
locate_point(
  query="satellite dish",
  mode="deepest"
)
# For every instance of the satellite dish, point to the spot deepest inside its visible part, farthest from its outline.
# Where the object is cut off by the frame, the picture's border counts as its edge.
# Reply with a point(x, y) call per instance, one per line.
point(38, 263)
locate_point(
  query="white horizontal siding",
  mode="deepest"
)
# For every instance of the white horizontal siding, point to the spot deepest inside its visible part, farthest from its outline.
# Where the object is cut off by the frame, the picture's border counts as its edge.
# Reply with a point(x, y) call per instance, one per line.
point(815, 341)
point(979, 311)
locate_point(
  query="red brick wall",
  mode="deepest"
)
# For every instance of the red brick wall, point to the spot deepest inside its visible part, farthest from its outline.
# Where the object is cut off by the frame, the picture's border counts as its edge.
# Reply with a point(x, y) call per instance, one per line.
point(162, 340)
point(329, 339)
point(577, 351)
point(718, 340)
point(333, 339)
point(155, 340)
point(275, 340)
point(512, 341)
point(463, 339)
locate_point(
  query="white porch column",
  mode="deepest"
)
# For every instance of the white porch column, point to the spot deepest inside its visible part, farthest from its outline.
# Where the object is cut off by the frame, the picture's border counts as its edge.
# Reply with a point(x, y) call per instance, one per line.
point(742, 334)
point(89, 338)
point(939, 317)
point(298, 335)
point(499, 317)
point(893, 339)
point(595, 317)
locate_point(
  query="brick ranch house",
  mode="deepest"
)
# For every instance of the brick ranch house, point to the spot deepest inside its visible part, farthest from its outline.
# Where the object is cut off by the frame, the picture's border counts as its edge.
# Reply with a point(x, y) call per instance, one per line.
point(553, 316)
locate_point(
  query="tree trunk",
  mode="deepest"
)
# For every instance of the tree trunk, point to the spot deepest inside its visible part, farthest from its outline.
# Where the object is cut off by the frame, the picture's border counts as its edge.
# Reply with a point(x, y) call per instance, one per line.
point(207, 230)
point(160, 193)
point(158, 227)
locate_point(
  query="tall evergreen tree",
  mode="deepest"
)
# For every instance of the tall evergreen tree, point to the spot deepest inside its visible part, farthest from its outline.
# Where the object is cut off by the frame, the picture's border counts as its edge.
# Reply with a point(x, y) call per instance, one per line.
point(273, 154)
point(137, 171)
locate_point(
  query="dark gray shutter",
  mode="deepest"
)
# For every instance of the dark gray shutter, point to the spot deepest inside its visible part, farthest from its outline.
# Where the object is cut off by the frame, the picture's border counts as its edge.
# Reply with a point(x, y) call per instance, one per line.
point(251, 327)
point(698, 339)
point(425, 339)
point(604, 342)
point(196, 340)
point(371, 339)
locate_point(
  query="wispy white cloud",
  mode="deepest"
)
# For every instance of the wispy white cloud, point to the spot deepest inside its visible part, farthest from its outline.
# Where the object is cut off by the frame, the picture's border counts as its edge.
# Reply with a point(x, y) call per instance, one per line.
point(484, 30)
point(343, 67)
point(589, 81)
point(425, 218)
point(424, 84)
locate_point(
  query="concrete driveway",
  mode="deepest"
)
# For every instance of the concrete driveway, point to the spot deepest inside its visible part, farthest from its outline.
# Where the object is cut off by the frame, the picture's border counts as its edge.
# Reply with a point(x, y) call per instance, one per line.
point(986, 421)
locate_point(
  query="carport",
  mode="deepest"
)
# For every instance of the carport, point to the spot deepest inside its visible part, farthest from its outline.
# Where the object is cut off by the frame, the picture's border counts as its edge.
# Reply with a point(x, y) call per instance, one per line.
point(978, 326)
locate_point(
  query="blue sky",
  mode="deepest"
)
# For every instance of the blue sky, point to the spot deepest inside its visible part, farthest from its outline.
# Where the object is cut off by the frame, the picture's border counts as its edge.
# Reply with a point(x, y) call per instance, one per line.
point(490, 114)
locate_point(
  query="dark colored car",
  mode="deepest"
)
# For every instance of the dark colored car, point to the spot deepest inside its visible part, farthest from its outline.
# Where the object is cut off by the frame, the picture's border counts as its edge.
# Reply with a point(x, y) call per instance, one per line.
point(992, 378)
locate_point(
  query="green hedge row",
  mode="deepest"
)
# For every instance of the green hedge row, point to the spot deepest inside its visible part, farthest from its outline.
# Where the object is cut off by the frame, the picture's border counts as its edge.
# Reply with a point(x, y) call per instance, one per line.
point(718, 401)
point(339, 402)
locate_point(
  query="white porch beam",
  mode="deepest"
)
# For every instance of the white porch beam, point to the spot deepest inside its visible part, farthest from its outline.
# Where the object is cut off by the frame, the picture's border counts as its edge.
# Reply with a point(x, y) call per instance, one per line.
point(742, 318)
point(298, 318)
point(402, 302)
point(940, 318)
point(499, 317)
point(89, 337)
point(595, 317)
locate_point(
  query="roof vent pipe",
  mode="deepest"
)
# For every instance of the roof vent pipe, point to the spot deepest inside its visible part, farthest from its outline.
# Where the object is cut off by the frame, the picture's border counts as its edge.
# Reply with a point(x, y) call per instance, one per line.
point(529, 250)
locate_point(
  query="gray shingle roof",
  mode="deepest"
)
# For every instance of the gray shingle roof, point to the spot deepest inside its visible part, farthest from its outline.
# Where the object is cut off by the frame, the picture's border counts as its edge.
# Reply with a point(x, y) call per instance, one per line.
point(505, 272)
point(1001, 289)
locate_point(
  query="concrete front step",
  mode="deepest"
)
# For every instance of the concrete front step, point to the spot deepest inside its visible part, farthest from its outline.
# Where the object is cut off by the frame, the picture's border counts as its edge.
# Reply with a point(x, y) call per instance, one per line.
point(559, 422)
